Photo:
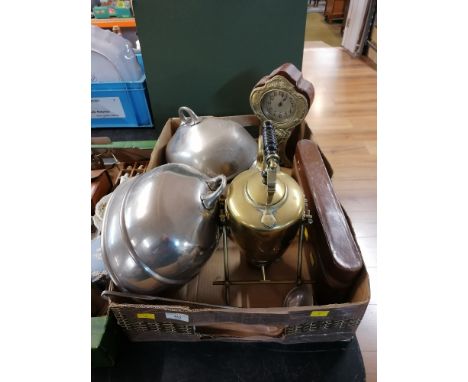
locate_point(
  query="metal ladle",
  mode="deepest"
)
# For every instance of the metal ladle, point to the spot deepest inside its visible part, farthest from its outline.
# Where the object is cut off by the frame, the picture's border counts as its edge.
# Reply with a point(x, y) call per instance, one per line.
point(301, 294)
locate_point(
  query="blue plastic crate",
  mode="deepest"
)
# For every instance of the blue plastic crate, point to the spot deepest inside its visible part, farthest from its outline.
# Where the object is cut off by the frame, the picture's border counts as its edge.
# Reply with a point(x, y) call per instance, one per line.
point(139, 58)
point(120, 104)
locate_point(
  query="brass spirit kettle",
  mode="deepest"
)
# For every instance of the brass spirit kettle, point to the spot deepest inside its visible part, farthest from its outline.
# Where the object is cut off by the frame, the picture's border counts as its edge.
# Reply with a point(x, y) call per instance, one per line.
point(264, 206)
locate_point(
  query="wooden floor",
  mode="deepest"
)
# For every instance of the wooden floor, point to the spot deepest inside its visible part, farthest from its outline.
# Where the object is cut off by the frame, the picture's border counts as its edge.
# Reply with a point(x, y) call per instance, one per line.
point(343, 119)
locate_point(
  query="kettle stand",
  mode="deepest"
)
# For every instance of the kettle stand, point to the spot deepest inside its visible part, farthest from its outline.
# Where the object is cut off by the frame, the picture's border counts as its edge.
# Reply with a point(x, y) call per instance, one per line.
point(227, 282)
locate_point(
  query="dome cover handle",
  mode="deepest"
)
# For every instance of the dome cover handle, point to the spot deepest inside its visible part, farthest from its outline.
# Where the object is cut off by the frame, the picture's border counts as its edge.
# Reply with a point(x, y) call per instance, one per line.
point(209, 200)
point(190, 119)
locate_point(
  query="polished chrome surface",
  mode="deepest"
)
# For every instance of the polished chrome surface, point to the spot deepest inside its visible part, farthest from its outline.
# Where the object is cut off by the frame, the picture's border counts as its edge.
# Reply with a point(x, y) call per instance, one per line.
point(160, 228)
point(212, 145)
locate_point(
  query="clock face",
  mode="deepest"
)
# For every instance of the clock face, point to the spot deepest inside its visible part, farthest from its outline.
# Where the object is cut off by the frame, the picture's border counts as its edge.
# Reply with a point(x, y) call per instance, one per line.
point(278, 105)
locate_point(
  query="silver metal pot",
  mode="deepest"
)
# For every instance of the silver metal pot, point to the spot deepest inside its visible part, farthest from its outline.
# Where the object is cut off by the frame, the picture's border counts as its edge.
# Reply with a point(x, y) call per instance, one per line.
point(211, 145)
point(160, 228)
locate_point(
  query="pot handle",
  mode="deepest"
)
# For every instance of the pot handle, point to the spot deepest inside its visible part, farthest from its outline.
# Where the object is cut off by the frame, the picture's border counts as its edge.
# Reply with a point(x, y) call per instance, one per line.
point(209, 199)
point(191, 119)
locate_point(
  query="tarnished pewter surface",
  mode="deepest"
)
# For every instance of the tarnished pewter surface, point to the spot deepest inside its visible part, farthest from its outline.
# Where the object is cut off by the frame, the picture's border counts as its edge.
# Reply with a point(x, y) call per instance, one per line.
point(161, 227)
point(212, 145)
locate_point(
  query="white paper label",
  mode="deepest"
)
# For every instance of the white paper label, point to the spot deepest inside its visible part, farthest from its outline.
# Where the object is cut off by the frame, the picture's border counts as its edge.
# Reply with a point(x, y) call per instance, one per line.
point(106, 107)
point(177, 316)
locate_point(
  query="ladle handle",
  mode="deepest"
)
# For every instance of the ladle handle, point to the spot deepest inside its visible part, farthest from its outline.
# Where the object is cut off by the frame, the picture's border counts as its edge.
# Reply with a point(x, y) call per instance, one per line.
point(191, 119)
point(209, 200)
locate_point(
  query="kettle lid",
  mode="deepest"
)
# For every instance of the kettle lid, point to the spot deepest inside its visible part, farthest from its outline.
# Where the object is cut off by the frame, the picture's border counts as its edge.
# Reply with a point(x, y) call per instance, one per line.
point(247, 203)
point(257, 194)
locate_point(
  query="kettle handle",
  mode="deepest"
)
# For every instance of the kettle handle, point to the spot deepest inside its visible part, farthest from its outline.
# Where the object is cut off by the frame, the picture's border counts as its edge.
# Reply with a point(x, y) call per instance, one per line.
point(191, 119)
point(209, 199)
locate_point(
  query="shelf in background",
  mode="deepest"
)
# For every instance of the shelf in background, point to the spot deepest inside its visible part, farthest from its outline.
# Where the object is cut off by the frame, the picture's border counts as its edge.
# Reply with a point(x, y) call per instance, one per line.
point(109, 23)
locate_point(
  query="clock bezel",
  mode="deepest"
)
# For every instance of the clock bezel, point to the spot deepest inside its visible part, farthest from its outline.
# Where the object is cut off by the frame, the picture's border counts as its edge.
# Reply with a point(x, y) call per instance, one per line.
point(279, 91)
point(279, 82)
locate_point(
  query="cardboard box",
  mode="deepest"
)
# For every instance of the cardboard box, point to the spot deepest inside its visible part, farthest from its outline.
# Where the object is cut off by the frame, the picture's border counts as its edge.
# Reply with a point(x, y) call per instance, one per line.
point(258, 315)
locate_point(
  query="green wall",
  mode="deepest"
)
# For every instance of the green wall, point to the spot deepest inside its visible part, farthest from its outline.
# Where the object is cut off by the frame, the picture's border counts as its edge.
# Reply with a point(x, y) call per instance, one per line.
point(208, 54)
